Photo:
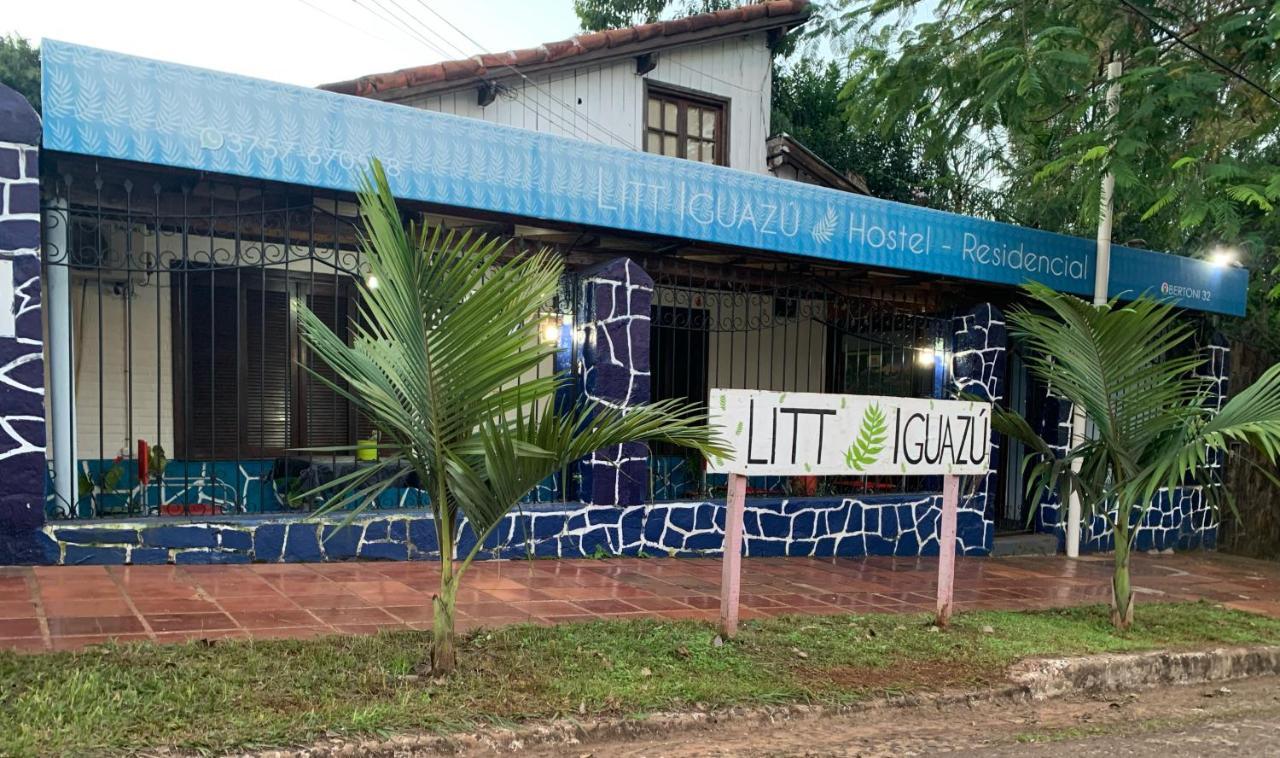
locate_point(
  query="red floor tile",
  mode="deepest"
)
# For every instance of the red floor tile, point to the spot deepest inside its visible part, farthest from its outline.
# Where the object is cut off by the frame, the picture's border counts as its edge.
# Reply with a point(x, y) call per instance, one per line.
point(270, 601)
point(149, 604)
point(266, 619)
point(410, 613)
point(26, 627)
point(86, 605)
point(68, 626)
point(335, 616)
point(189, 622)
point(16, 609)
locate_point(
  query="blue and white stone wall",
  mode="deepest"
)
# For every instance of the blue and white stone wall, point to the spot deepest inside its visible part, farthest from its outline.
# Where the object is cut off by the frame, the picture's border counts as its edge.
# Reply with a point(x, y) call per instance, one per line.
point(22, 427)
point(616, 300)
point(904, 525)
point(979, 349)
point(1182, 519)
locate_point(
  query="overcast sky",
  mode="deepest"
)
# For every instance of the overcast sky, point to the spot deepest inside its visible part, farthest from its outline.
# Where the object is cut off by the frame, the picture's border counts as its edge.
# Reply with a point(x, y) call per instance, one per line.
point(298, 41)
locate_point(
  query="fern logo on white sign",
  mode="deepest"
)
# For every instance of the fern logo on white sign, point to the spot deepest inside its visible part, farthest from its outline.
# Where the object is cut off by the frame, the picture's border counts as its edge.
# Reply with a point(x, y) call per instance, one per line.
point(803, 433)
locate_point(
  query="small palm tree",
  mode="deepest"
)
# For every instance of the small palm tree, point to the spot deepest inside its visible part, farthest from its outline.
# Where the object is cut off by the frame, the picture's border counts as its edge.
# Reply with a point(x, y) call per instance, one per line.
point(1156, 430)
point(440, 362)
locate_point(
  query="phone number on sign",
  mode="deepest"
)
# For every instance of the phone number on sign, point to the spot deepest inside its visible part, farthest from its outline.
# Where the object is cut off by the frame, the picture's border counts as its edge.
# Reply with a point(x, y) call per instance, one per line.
point(276, 150)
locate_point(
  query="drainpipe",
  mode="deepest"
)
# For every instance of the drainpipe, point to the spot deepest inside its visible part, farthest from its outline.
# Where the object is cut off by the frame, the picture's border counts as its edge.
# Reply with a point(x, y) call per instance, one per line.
point(1101, 285)
point(62, 403)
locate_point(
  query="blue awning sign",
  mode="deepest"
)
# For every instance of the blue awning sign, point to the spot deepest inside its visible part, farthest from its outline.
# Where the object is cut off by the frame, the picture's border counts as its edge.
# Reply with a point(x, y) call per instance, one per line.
point(118, 106)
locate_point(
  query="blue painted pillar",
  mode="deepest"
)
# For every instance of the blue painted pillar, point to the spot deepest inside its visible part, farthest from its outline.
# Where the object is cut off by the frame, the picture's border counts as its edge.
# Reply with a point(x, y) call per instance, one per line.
point(978, 367)
point(615, 304)
point(22, 417)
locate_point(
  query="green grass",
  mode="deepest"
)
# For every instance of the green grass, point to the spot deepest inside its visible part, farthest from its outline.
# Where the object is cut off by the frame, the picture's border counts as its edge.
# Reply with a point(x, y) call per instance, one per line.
point(215, 697)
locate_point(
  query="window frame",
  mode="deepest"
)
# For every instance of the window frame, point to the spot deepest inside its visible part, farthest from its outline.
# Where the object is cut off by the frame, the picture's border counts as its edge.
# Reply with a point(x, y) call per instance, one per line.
point(683, 97)
point(244, 281)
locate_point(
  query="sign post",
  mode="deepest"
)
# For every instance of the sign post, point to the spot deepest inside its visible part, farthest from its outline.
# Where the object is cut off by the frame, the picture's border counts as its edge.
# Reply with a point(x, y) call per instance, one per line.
point(731, 573)
point(810, 434)
point(947, 547)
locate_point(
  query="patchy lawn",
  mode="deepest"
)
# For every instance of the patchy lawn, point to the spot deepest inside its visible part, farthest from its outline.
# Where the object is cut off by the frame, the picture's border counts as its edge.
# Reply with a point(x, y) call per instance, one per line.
point(235, 694)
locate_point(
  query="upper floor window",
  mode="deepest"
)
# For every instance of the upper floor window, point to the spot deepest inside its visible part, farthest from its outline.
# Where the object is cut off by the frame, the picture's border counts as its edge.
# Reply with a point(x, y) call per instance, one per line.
point(683, 125)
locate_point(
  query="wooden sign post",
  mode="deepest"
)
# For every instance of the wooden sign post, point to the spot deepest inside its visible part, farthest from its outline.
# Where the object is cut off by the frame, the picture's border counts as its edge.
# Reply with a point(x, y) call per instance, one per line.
point(810, 434)
point(947, 547)
point(731, 572)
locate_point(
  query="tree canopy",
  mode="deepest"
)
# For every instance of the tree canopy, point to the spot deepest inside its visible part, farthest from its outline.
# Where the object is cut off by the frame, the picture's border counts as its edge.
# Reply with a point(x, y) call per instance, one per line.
point(20, 68)
point(1193, 147)
point(807, 105)
point(595, 15)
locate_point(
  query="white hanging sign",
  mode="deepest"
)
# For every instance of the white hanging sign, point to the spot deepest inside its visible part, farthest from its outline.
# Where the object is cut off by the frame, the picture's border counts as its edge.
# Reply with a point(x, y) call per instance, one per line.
point(806, 433)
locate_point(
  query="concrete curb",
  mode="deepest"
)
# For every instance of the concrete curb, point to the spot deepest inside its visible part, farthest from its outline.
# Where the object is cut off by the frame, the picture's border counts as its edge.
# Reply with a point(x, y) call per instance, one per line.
point(1037, 679)
point(1091, 675)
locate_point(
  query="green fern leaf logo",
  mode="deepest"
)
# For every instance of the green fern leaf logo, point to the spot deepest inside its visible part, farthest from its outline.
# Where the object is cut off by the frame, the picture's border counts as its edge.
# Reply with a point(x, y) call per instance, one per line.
point(870, 441)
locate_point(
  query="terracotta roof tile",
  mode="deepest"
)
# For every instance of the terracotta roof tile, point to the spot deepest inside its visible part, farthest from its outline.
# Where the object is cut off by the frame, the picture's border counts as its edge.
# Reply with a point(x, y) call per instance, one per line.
point(562, 49)
point(676, 26)
point(593, 41)
point(634, 36)
point(621, 36)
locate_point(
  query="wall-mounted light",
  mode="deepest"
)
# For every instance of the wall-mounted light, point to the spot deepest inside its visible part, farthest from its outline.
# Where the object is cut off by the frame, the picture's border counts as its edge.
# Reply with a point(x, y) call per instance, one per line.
point(371, 282)
point(551, 331)
point(925, 357)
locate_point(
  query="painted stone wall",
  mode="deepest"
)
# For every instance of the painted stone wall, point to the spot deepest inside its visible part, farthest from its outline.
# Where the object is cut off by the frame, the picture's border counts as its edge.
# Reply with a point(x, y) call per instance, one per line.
point(22, 428)
point(821, 527)
point(616, 300)
point(978, 367)
point(1182, 519)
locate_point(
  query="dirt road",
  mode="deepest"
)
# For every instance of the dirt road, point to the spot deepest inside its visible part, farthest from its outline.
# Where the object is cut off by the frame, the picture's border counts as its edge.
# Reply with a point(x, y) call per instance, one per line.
point(1239, 718)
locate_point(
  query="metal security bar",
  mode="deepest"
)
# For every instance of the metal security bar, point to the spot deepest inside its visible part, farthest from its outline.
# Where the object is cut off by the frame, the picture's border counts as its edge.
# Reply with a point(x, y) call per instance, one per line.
point(192, 388)
point(750, 327)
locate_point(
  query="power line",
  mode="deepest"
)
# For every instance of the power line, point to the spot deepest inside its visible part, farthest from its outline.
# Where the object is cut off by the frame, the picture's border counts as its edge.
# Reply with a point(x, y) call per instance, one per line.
point(384, 14)
point(522, 75)
point(1198, 51)
point(344, 21)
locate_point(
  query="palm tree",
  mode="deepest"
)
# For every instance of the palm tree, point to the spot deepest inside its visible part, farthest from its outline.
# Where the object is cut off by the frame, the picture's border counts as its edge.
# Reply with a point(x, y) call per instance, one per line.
point(439, 363)
point(1126, 367)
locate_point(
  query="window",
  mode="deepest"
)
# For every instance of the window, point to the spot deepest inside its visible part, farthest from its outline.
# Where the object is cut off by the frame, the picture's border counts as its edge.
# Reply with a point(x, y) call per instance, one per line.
point(685, 126)
point(242, 384)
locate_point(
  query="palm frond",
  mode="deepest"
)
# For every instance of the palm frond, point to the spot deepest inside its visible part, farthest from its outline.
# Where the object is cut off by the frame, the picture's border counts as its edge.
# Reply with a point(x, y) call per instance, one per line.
point(443, 360)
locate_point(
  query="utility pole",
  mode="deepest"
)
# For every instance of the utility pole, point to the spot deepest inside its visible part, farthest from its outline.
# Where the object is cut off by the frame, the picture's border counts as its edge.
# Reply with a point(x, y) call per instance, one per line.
point(1101, 285)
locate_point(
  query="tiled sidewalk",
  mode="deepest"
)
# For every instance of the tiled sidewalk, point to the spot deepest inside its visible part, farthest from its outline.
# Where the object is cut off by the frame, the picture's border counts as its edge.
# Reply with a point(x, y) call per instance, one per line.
point(57, 608)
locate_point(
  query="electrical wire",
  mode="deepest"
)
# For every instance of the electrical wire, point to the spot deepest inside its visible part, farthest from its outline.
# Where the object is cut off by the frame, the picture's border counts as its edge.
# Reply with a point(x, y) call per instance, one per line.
point(381, 12)
point(524, 77)
point(1198, 51)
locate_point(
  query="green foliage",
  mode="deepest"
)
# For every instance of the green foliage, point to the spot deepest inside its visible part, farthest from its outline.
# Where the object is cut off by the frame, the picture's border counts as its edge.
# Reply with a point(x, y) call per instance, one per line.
point(20, 68)
point(440, 363)
point(595, 15)
point(807, 105)
point(863, 451)
point(1193, 149)
point(1131, 370)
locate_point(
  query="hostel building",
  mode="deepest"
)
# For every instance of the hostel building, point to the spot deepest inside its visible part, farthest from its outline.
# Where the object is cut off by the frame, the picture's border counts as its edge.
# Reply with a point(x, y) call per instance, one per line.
point(161, 220)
